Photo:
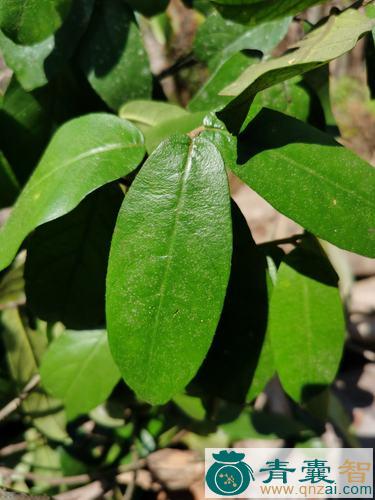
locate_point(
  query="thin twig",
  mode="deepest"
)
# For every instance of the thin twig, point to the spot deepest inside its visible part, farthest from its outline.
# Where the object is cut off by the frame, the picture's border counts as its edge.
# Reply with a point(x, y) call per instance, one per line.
point(71, 480)
point(130, 489)
point(283, 241)
point(182, 63)
point(16, 402)
point(11, 449)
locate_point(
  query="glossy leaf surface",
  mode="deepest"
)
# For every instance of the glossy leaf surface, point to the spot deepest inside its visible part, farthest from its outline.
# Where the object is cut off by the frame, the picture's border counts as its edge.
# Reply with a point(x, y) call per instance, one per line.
point(84, 154)
point(113, 57)
point(310, 178)
point(169, 267)
point(78, 368)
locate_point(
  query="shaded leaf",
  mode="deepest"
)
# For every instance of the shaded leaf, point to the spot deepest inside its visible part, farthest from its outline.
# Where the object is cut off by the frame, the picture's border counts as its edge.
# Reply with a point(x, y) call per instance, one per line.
point(29, 22)
point(165, 293)
point(207, 98)
point(265, 368)
point(9, 187)
point(90, 375)
point(256, 11)
point(24, 349)
point(147, 114)
point(229, 367)
point(338, 35)
point(191, 406)
point(35, 64)
point(94, 149)
point(310, 178)
point(25, 127)
point(113, 57)
point(218, 39)
point(165, 129)
point(148, 8)
point(307, 328)
point(12, 286)
point(67, 262)
point(288, 97)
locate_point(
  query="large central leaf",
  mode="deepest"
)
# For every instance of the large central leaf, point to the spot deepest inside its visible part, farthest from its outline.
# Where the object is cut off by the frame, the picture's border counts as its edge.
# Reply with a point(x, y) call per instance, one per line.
point(169, 267)
point(85, 154)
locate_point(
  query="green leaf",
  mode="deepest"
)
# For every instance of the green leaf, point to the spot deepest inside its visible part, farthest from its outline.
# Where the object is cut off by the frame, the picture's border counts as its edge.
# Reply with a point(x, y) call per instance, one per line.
point(148, 8)
point(113, 57)
point(89, 376)
point(288, 97)
point(257, 11)
point(12, 285)
point(191, 406)
point(24, 349)
point(229, 367)
point(148, 114)
point(8, 183)
point(67, 262)
point(84, 154)
point(306, 326)
point(265, 368)
point(310, 178)
point(218, 39)
point(35, 64)
point(331, 40)
point(318, 80)
point(25, 127)
point(165, 129)
point(30, 22)
point(207, 98)
point(165, 293)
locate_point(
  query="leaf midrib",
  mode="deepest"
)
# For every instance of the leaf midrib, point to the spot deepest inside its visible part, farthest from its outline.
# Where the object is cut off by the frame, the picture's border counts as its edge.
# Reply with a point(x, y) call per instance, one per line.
point(313, 173)
point(172, 239)
point(82, 156)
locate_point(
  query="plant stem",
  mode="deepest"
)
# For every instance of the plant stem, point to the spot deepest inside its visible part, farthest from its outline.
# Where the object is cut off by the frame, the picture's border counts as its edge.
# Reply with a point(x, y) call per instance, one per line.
point(16, 402)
